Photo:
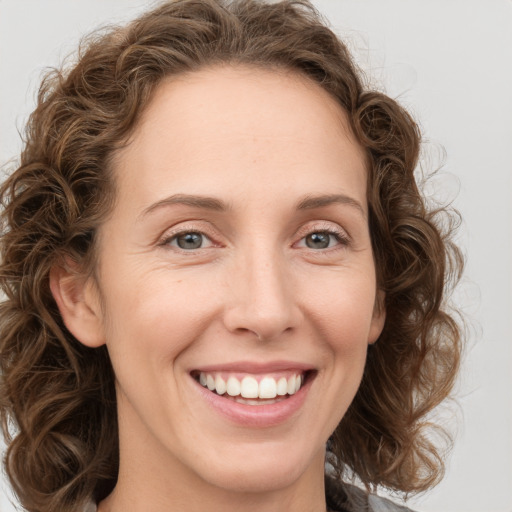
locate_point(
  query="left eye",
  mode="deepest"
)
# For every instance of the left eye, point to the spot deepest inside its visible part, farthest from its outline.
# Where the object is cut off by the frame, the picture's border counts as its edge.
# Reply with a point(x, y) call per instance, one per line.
point(189, 240)
point(321, 240)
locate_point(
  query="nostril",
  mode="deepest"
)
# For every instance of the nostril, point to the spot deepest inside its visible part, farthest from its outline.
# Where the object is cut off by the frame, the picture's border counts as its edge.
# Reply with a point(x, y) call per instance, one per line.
point(265, 314)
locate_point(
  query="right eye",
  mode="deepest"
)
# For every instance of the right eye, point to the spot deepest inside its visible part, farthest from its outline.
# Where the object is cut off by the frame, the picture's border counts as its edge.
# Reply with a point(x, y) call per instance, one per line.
point(189, 240)
point(321, 240)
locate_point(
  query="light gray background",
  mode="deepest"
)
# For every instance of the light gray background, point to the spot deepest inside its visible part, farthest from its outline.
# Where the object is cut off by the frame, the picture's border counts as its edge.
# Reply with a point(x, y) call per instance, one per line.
point(449, 62)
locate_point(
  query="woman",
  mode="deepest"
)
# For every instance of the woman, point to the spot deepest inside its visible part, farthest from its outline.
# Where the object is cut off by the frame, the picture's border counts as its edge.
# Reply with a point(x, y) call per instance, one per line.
point(220, 273)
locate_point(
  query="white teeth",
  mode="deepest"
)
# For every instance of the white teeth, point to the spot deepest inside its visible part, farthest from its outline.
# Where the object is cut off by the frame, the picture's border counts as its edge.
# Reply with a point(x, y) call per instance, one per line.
point(249, 388)
point(233, 386)
point(220, 385)
point(298, 382)
point(268, 388)
point(210, 382)
point(291, 385)
point(282, 386)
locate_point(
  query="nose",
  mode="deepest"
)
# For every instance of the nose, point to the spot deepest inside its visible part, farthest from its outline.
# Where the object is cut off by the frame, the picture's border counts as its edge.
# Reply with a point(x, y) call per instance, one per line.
point(262, 301)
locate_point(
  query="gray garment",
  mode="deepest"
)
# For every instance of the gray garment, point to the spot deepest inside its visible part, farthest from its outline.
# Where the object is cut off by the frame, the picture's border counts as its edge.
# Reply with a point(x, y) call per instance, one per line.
point(378, 504)
point(342, 497)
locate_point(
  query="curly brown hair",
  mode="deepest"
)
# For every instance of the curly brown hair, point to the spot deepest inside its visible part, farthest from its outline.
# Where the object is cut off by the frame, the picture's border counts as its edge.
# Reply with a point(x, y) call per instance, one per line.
point(58, 403)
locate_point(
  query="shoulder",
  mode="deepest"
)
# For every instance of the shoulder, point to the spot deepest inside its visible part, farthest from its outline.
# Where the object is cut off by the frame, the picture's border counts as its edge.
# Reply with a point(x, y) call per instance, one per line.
point(342, 497)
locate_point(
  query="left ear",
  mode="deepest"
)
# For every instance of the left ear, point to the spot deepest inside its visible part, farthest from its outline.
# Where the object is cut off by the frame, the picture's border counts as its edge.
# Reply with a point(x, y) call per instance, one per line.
point(78, 301)
point(378, 317)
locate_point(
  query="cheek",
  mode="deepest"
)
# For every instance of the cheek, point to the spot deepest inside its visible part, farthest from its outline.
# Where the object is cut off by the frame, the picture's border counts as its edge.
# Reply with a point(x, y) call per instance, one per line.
point(341, 314)
point(156, 318)
point(341, 305)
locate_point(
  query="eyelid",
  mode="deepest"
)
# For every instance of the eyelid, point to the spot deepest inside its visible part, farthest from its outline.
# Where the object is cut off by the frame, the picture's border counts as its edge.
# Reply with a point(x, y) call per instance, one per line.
point(324, 227)
point(305, 230)
point(182, 228)
point(169, 242)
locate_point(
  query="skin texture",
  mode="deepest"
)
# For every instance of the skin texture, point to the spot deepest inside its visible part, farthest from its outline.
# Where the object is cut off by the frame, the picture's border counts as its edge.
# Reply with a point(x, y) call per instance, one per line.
point(260, 142)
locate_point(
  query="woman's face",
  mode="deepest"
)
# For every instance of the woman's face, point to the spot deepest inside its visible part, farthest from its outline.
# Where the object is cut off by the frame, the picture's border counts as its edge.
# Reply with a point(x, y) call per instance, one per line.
point(237, 256)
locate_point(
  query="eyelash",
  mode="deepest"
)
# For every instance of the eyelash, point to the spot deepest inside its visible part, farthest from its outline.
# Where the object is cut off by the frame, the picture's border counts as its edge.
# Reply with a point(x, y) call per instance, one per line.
point(340, 239)
point(167, 240)
point(340, 236)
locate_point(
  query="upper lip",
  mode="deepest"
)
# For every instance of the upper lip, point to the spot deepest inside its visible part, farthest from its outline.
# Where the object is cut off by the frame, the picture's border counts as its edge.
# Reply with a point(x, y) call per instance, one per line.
point(255, 367)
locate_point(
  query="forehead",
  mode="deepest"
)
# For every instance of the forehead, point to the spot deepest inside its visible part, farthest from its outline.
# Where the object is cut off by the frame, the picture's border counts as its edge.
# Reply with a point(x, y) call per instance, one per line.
point(213, 130)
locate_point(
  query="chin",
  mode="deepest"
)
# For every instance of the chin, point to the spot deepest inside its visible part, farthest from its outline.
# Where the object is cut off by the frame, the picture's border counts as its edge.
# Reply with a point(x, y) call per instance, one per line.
point(250, 480)
point(260, 470)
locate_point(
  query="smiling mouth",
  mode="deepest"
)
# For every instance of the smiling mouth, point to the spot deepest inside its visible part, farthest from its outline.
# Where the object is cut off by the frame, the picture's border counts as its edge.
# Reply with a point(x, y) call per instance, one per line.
point(252, 389)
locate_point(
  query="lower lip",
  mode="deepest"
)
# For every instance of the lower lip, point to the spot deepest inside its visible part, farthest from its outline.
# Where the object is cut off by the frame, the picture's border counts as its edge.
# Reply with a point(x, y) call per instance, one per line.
point(259, 416)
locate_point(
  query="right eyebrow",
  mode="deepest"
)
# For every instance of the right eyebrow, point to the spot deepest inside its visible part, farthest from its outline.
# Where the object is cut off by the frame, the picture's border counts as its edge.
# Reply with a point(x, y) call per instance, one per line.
point(203, 202)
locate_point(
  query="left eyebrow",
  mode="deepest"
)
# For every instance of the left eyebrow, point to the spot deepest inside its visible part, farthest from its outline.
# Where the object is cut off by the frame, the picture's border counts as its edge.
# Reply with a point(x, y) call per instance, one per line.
point(311, 202)
point(203, 202)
